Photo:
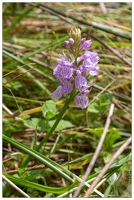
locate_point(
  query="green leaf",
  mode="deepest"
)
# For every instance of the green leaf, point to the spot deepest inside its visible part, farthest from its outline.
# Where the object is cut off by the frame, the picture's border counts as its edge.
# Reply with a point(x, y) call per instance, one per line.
point(106, 156)
point(36, 186)
point(6, 189)
point(37, 123)
point(114, 177)
point(105, 99)
point(21, 171)
point(43, 159)
point(111, 137)
point(17, 155)
point(49, 109)
point(121, 160)
point(43, 125)
point(96, 131)
point(32, 192)
point(97, 169)
point(59, 169)
point(93, 108)
point(63, 124)
point(31, 123)
point(33, 174)
point(126, 167)
point(108, 190)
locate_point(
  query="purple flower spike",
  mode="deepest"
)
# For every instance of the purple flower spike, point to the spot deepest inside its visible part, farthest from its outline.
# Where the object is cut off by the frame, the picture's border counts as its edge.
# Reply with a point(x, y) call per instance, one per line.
point(57, 94)
point(81, 101)
point(73, 74)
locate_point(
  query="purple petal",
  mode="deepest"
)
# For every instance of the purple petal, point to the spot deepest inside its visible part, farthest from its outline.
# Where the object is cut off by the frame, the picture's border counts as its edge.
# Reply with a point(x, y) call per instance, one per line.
point(85, 44)
point(82, 42)
point(81, 101)
point(85, 89)
point(63, 72)
point(79, 59)
point(78, 72)
point(57, 94)
point(93, 71)
point(64, 63)
point(80, 81)
point(67, 87)
point(89, 58)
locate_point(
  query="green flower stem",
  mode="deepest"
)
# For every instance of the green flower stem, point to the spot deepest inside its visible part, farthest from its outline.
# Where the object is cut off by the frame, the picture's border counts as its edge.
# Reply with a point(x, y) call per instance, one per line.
point(27, 158)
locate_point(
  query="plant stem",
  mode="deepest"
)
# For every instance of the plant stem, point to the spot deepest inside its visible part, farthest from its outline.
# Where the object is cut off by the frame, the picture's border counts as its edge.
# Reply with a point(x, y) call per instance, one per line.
point(28, 158)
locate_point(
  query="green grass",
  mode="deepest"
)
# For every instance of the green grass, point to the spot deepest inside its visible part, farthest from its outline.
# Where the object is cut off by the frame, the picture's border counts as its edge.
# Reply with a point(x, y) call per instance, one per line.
point(33, 38)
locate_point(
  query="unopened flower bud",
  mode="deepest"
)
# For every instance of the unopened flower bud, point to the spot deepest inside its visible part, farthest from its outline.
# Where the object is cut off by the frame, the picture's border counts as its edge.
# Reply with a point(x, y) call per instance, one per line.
point(71, 40)
point(67, 43)
point(75, 33)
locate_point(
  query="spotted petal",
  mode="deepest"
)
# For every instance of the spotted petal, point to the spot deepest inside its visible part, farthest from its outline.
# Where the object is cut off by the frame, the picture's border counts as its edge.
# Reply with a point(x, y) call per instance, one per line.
point(57, 94)
point(81, 101)
point(80, 81)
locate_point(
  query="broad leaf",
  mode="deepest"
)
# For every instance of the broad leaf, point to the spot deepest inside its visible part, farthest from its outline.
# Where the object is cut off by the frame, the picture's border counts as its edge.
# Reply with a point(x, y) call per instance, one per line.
point(111, 137)
point(49, 109)
point(63, 124)
point(93, 108)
